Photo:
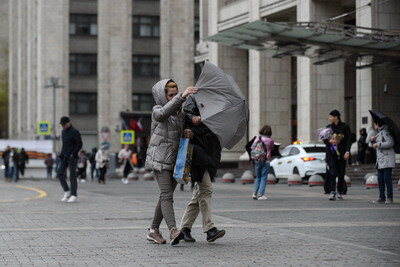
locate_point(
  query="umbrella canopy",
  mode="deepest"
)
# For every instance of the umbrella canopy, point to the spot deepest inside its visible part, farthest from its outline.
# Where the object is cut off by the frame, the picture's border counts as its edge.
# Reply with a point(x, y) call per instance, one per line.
point(222, 105)
point(378, 116)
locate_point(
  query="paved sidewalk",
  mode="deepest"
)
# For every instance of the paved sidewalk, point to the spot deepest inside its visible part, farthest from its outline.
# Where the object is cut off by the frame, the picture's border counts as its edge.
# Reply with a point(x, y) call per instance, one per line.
point(296, 226)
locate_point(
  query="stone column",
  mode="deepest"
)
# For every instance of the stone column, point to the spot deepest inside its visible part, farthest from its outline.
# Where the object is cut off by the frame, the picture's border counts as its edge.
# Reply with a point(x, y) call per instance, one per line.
point(114, 66)
point(320, 88)
point(377, 88)
point(177, 41)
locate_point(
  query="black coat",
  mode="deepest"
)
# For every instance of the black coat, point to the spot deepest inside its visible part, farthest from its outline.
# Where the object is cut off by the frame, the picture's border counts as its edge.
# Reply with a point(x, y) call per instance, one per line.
point(362, 146)
point(72, 143)
point(344, 145)
point(207, 148)
point(23, 159)
point(6, 157)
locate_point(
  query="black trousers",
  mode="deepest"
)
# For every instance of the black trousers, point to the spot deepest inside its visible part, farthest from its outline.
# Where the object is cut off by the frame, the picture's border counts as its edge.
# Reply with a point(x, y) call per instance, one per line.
point(63, 165)
point(103, 172)
point(21, 169)
point(337, 168)
point(127, 169)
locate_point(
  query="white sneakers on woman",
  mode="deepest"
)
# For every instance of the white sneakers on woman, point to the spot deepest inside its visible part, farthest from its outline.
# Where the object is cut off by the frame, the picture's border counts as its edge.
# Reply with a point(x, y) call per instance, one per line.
point(73, 199)
point(68, 198)
point(124, 181)
point(262, 198)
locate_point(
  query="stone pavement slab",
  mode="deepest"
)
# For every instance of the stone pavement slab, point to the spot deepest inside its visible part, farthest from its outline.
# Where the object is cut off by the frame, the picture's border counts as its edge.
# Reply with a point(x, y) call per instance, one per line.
point(296, 226)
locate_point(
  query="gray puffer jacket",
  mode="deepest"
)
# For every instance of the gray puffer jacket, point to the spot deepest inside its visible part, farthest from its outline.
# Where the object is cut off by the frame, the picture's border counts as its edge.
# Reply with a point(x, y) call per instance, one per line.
point(166, 130)
point(385, 156)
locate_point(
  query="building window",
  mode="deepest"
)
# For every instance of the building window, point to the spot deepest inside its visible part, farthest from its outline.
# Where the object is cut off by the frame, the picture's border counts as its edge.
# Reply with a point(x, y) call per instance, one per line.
point(83, 103)
point(142, 102)
point(83, 64)
point(80, 24)
point(146, 26)
point(145, 65)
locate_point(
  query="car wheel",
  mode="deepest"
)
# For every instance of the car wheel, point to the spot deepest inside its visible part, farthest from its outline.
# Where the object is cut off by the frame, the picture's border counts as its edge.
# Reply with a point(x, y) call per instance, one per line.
point(295, 170)
point(272, 171)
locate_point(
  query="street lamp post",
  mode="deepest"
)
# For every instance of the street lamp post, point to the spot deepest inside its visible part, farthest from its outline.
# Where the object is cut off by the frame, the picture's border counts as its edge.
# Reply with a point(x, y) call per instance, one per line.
point(54, 84)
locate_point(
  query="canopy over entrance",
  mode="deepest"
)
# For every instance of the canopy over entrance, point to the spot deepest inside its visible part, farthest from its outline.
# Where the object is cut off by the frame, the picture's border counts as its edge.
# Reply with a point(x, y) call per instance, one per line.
point(329, 42)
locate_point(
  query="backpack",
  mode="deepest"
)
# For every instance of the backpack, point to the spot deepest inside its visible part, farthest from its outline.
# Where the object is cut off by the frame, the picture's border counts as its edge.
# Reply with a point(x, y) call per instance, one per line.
point(259, 152)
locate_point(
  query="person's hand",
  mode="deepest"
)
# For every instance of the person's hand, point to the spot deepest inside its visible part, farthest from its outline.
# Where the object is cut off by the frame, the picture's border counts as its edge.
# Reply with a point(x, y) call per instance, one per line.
point(375, 145)
point(188, 133)
point(190, 90)
point(346, 156)
point(196, 120)
point(373, 138)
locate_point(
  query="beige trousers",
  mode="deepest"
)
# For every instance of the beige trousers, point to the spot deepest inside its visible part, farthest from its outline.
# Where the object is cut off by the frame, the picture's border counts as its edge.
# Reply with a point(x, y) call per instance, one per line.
point(200, 202)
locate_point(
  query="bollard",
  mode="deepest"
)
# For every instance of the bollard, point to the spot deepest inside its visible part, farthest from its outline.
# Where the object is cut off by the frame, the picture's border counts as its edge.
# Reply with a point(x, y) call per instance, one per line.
point(148, 176)
point(316, 180)
point(247, 177)
point(369, 175)
point(271, 179)
point(372, 182)
point(136, 170)
point(295, 179)
point(142, 170)
point(228, 178)
point(133, 176)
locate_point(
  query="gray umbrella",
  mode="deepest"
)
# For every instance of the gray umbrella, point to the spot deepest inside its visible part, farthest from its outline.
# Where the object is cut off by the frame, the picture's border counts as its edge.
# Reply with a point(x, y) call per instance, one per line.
point(222, 105)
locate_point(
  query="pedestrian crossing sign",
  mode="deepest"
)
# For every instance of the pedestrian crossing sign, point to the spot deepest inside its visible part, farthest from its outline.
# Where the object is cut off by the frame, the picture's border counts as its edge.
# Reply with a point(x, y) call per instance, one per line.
point(127, 137)
point(43, 128)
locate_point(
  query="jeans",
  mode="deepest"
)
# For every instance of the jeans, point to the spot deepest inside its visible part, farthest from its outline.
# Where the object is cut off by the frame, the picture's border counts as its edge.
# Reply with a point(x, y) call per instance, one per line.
point(13, 171)
point(262, 170)
point(61, 168)
point(92, 170)
point(385, 177)
point(49, 172)
point(165, 206)
point(337, 168)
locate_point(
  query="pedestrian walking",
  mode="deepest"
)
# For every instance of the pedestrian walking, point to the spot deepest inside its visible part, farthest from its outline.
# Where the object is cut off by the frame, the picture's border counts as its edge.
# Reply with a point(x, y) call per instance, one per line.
point(23, 160)
point(92, 160)
point(71, 144)
point(102, 159)
point(261, 151)
point(124, 157)
point(384, 143)
point(6, 160)
point(337, 153)
point(206, 158)
point(166, 131)
point(82, 165)
point(13, 161)
point(49, 162)
point(362, 146)
point(371, 150)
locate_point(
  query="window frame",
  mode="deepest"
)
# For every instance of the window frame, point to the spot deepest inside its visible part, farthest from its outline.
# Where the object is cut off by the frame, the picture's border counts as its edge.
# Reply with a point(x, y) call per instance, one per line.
point(76, 58)
point(78, 97)
point(136, 26)
point(137, 71)
point(79, 19)
point(141, 101)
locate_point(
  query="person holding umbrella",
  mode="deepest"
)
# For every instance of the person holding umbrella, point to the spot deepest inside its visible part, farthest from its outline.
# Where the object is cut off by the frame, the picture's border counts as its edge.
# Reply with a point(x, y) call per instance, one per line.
point(385, 150)
point(217, 115)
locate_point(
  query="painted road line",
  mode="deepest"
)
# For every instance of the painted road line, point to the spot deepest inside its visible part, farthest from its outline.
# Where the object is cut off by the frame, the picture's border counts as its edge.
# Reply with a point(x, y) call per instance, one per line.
point(41, 194)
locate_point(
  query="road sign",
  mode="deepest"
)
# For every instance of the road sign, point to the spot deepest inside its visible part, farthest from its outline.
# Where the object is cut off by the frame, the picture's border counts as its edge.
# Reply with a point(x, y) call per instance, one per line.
point(105, 133)
point(127, 137)
point(43, 128)
point(106, 145)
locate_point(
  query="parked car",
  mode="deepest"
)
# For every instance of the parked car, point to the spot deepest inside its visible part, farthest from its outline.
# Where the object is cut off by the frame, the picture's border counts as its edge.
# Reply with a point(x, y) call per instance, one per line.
point(302, 159)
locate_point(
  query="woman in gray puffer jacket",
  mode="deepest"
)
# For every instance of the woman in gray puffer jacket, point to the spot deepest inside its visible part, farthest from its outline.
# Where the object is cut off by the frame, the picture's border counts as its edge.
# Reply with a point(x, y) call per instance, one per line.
point(385, 161)
point(166, 131)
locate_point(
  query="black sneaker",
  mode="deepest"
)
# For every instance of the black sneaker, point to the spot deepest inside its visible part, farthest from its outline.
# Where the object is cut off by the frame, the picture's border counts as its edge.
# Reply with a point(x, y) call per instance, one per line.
point(339, 196)
point(187, 236)
point(332, 196)
point(213, 234)
point(379, 201)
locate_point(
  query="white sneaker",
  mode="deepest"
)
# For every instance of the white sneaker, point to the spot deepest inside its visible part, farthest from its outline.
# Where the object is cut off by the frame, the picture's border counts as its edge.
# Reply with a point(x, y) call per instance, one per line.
point(125, 181)
point(255, 196)
point(262, 198)
point(66, 196)
point(83, 181)
point(73, 199)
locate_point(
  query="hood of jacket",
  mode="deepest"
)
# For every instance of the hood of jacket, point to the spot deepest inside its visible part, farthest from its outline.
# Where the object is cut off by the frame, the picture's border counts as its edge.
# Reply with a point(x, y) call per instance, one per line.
point(384, 127)
point(159, 92)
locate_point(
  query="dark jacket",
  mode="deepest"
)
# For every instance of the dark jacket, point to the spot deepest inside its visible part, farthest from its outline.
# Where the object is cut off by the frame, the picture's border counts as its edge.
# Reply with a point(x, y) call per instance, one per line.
point(206, 149)
point(6, 156)
point(344, 145)
point(72, 143)
point(23, 158)
point(49, 161)
point(361, 144)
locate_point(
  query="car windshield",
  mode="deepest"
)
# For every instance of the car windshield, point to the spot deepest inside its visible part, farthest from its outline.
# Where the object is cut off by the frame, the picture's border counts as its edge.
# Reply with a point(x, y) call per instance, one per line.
point(314, 149)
